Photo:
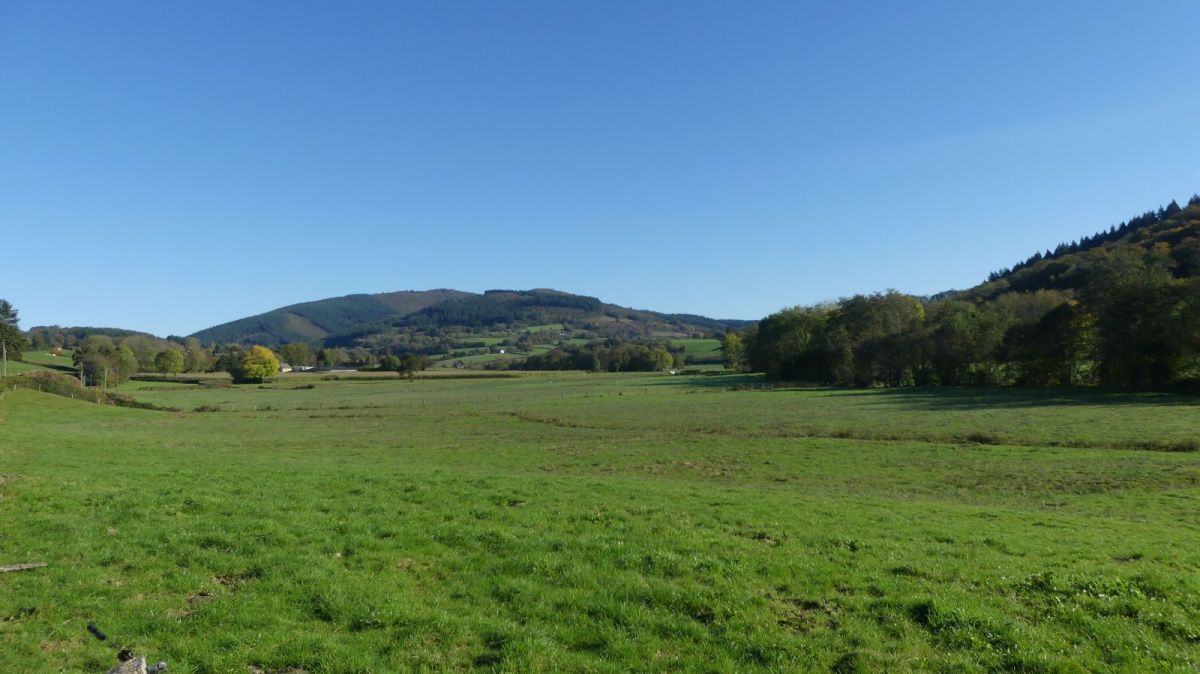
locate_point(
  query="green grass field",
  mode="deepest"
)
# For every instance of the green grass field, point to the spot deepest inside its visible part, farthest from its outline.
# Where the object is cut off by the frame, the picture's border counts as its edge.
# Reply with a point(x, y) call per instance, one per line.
point(48, 359)
point(705, 348)
point(602, 523)
point(471, 361)
point(20, 367)
point(39, 360)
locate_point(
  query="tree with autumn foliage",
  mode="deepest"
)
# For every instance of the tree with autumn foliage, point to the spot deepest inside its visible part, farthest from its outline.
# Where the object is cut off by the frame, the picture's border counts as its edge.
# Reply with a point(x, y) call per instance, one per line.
point(254, 366)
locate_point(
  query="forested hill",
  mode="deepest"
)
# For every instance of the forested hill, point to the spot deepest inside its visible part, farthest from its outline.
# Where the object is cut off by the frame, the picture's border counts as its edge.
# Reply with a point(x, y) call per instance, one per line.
point(1171, 232)
point(313, 321)
point(375, 320)
point(541, 306)
point(1120, 309)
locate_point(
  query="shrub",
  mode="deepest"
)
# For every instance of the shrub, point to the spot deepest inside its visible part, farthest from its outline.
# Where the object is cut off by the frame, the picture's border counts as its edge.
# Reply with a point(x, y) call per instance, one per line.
point(254, 366)
point(53, 382)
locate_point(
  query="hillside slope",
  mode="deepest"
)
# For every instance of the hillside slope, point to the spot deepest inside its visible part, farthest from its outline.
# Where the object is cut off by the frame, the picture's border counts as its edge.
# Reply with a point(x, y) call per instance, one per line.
point(1172, 231)
point(313, 321)
point(372, 320)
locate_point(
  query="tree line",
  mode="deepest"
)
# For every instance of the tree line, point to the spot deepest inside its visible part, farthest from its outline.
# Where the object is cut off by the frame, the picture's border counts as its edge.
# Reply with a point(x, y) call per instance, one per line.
point(1136, 324)
point(1113, 234)
point(103, 360)
point(610, 355)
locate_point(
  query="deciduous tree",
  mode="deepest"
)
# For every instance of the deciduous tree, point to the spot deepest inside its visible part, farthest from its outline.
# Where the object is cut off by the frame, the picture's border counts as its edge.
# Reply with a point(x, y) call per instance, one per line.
point(195, 357)
point(255, 365)
point(169, 361)
point(103, 363)
point(143, 349)
point(733, 351)
point(297, 353)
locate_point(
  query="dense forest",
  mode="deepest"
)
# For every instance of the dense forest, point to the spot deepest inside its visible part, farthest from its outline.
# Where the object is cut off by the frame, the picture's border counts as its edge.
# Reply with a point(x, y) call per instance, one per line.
point(502, 306)
point(1120, 309)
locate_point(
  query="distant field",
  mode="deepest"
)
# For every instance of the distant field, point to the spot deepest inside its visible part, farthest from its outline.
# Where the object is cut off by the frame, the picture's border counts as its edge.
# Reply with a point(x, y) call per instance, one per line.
point(700, 350)
point(602, 523)
point(544, 328)
point(46, 358)
point(471, 361)
point(487, 341)
point(39, 360)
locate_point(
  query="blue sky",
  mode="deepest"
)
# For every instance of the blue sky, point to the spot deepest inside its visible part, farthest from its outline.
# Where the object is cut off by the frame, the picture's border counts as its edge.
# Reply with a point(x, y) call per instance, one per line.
point(169, 166)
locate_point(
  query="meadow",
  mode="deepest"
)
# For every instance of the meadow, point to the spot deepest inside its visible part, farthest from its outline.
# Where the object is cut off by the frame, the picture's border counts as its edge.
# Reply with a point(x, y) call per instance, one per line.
point(601, 523)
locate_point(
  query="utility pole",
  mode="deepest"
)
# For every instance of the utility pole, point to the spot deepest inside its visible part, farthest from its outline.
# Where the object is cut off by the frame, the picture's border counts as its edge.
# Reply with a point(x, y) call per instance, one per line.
point(4, 348)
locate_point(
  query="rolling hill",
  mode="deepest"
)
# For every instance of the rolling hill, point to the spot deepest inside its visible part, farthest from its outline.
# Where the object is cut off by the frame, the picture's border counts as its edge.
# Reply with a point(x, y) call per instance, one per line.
point(353, 319)
point(313, 321)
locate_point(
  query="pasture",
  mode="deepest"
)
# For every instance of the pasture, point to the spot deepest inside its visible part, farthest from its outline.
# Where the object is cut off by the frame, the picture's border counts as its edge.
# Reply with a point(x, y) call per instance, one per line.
point(601, 523)
point(39, 360)
point(701, 350)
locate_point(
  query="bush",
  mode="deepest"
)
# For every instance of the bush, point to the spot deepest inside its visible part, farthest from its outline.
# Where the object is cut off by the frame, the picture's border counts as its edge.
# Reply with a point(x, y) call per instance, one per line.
point(53, 382)
point(254, 366)
point(68, 387)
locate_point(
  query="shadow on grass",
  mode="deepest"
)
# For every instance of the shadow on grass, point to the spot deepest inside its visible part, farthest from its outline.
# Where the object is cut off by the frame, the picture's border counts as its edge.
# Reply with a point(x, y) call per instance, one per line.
point(68, 369)
point(724, 380)
point(935, 397)
point(959, 398)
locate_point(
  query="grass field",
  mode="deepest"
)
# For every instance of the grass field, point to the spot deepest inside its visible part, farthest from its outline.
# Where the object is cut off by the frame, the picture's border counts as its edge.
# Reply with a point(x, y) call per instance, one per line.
point(19, 367)
point(702, 349)
point(48, 359)
point(39, 360)
point(470, 361)
point(601, 523)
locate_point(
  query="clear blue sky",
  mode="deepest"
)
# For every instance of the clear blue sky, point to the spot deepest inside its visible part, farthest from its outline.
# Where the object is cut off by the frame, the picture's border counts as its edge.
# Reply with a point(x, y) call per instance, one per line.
point(166, 166)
